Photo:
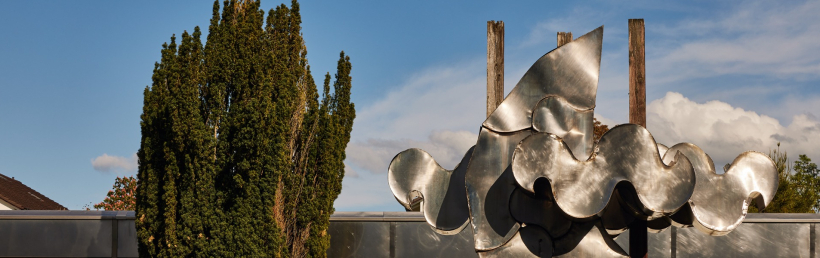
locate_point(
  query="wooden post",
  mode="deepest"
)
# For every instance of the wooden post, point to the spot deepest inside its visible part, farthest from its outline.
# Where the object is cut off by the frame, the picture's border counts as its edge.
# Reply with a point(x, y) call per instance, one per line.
point(564, 38)
point(638, 239)
point(637, 73)
point(495, 65)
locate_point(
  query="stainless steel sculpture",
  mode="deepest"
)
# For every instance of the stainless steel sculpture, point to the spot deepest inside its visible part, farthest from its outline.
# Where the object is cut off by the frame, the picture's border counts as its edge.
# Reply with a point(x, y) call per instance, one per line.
point(583, 188)
point(536, 185)
point(442, 191)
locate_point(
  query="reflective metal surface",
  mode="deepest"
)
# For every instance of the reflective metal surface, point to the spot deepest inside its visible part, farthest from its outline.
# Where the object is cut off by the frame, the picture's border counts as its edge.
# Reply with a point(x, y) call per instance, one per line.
point(570, 71)
point(594, 243)
point(534, 185)
point(489, 186)
point(748, 240)
point(418, 181)
point(542, 212)
point(414, 240)
point(583, 188)
point(530, 241)
point(760, 235)
point(720, 201)
point(556, 116)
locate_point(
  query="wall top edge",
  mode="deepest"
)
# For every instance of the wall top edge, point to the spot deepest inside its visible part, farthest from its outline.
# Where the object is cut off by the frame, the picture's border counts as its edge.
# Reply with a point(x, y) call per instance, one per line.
point(65, 215)
point(419, 217)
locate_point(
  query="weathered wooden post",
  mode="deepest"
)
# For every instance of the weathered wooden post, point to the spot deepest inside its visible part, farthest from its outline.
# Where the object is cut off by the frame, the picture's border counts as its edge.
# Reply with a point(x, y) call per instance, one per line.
point(638, 245)
point(637, 73)
point(564, 38)
point(495, 65)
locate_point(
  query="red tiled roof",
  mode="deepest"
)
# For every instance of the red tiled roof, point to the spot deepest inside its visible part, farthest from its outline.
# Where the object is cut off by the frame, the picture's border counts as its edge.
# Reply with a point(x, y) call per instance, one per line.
point(21, 196)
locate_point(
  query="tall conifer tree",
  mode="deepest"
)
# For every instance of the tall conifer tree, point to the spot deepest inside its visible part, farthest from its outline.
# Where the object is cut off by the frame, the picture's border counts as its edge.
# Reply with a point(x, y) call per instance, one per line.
point(238, 157)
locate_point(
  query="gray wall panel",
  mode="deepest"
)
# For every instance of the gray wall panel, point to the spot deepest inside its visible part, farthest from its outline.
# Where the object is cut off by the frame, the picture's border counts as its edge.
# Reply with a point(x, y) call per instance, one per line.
point(90, 234)
point(417, 239)
point(56, 238)
point(747, 240)
point(127, 239)
point(659, 243)
point(359, 239)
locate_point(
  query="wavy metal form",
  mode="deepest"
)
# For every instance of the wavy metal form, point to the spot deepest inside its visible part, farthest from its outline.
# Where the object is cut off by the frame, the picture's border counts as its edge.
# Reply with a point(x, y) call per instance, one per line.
point(584, 188)
point(529, 241)
point(587, 239)
point(720, 201)
point(419, 183)
point(570, 71)
point(490, 183)
point(575, 125)
point(570, 75)
point(544, 129)
point(542, 212)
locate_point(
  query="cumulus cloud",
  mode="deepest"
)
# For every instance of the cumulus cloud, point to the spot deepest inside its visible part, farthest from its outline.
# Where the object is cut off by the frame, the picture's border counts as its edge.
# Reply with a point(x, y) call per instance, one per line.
point(724, 131)
point(114, 164)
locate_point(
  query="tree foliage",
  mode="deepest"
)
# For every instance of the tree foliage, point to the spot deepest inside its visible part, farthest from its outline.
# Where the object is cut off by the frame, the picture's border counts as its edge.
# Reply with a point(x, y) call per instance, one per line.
point(598, 129)
point(122, 197)
point(797, 191)
point(238, 156)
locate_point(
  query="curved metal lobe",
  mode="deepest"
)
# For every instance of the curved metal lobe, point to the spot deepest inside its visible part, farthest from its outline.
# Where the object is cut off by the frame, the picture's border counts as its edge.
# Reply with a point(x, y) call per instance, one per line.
point(719, 202)
point(570, 71)
point(490, 183)
point(616, 217)
point(416, 179)
point(575, 126)
point(530, 241)
point(587, 239)
point(583, 188)
point(662, 149)
point(542, 212)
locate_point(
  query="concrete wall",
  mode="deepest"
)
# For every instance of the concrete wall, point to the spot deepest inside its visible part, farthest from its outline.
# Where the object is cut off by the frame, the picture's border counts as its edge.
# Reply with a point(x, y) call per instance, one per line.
point(67, 234)
point(391, 234)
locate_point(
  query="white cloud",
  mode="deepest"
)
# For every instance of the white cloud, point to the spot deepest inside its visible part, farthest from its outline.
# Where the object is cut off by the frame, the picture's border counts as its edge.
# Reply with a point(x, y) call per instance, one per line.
point(439, 110)
point(115, 164)
point(447, 147)
point(440, 98)
point(724, 131)
point(368, 191)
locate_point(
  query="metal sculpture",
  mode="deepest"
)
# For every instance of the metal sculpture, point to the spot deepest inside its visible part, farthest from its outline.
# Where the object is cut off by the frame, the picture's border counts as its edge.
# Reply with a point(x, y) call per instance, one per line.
point(536, 185)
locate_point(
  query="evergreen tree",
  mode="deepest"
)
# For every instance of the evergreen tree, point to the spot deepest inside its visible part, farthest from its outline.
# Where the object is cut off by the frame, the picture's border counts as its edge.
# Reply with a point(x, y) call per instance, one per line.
point(796, 190)
point(238, 157)
point(175, 175)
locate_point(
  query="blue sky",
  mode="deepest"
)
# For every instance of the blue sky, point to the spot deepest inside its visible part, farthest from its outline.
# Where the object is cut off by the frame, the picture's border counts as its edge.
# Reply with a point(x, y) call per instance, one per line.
point(729, 77)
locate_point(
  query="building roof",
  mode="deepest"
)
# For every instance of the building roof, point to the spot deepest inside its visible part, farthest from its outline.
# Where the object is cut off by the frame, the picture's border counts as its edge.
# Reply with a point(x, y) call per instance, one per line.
point(21, 196)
